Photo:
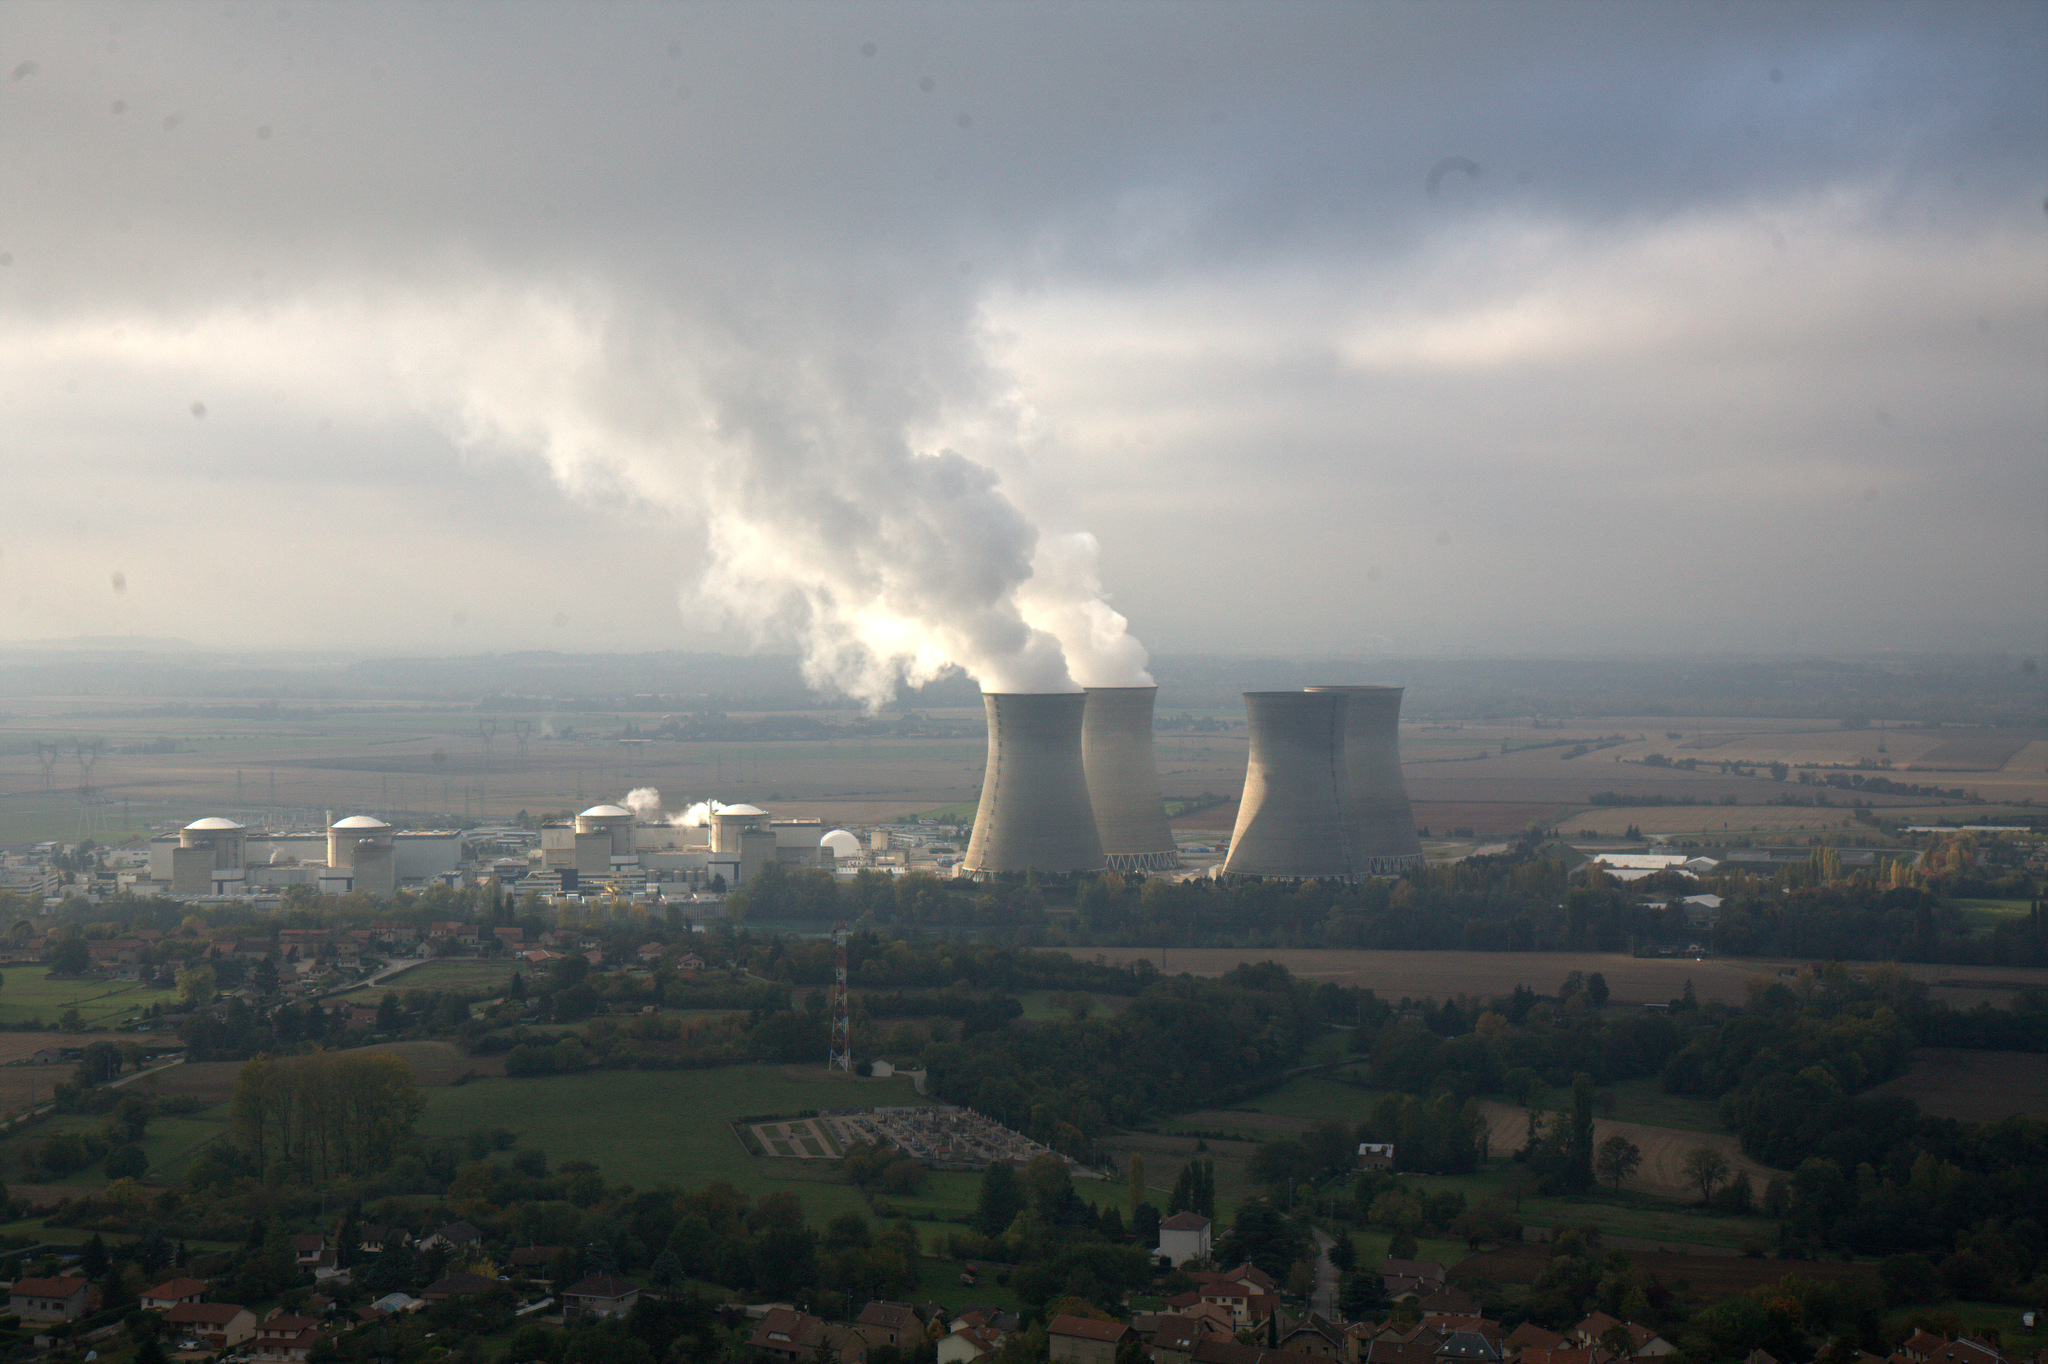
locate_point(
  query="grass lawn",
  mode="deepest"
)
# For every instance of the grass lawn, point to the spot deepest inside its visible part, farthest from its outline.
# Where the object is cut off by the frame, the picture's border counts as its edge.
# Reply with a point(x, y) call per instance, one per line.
point(29, 993)
point(647, 1128)
point(1321, 1094)
point(1643, 1100)
point(946, 1194)
point(940, 1283)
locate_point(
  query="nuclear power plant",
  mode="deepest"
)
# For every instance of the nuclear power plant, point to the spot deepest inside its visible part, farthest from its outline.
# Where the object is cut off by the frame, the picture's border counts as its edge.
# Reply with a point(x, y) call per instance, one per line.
point(1034, 812)
point(1123, 779)
point(1295, 817)
point(1378, 797)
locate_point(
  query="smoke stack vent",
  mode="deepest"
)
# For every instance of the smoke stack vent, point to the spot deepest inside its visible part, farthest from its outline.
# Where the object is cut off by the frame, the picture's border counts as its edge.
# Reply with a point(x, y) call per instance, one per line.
point(1294, 819)
point(1377, 795)
point(1034, 811)
point(1123, 779)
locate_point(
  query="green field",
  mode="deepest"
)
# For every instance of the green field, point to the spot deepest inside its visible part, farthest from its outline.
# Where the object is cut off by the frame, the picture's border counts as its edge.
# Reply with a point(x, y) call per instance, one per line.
point(1985, 915)
point(28, 993)
point(487, 976)
point(647, 1128)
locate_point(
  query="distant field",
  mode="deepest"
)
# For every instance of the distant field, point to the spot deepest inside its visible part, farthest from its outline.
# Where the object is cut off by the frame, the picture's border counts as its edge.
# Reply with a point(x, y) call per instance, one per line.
point(1974, 1086)
point(1708, 821)
point(1714, 1276)
point(1443, 975)
point(648, 1128)
point(1976, 751)
point(488, 975)
point(29, 993)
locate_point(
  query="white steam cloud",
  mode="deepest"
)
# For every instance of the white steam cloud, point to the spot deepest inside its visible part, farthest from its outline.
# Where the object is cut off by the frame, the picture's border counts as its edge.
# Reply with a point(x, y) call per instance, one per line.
point(698, 815)
point(644, 801)
point(809, 441)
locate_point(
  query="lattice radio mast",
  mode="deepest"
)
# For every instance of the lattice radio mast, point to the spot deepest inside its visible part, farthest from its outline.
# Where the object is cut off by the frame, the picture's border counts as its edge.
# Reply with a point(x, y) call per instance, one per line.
point(841, 1057)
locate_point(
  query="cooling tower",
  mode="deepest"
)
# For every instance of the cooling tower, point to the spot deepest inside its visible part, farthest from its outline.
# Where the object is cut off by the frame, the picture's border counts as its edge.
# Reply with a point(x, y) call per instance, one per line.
point(1034, 810)
point(1123, 781)
point(1294, 819)
point(1377, 795)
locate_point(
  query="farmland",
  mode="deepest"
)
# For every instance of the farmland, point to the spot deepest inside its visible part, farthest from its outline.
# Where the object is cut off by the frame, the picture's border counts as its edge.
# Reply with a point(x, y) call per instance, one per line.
point(29, 994)
point(1974, 1086)
point(1444, 975)
point(489, 976)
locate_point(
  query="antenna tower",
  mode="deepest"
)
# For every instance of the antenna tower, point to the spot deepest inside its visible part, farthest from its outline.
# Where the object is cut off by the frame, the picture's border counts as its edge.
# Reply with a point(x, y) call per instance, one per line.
point(841, 1057)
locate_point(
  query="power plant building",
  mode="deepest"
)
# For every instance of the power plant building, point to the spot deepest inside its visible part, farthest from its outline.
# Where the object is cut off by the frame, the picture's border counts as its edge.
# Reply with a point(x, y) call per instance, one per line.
point(1123, 779)
point(1378, 797)
point(1035, 812)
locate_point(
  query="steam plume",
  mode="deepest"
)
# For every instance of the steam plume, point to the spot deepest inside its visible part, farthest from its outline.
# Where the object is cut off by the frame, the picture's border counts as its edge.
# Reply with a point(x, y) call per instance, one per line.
point(643, 801)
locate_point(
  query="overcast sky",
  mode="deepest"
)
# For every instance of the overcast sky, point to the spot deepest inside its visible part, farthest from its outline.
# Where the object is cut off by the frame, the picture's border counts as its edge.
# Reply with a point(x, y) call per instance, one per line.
point(1360, 328)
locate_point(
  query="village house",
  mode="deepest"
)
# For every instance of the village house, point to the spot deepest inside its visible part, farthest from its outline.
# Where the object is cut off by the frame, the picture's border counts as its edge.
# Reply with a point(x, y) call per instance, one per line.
point(215, 1325)
point(889, 1323)
point(787, 1334)
point(601, 1295)
point(1183, 1237)
point(1083, 1340)
point(168, 1295)
point(64, 1299)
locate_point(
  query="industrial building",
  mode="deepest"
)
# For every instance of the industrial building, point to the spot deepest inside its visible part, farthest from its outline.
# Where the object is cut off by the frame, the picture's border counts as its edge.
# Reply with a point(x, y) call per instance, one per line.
point(1123, 779)
point(220, 857)
point(1034, 812)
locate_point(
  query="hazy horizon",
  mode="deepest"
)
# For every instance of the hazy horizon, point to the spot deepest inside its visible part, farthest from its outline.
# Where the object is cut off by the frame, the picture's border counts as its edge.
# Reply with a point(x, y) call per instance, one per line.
point(894, 335)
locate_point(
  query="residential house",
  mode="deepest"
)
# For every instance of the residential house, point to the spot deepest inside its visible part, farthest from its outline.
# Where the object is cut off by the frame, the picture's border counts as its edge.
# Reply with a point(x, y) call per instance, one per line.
point(455, 1236)
point(374, 1238)
point(169, 1294)
point(215, 1325)
point(64, 1299)
point(1175, 1340)
point(1183, 1237)
point(310, 1249)
point(967, 1344)
point(1530, 1336)
point(532, 1259)
point(601, 1295)
point(459, 1285)
point(1375, 1155)
point(1411, 1278)
point(889, 1323)
point(1083, 1340)
point(787, 1334)
point(1467, 1347)
point(285, 1338)
point(1222, 1350)
point(1317, 1335)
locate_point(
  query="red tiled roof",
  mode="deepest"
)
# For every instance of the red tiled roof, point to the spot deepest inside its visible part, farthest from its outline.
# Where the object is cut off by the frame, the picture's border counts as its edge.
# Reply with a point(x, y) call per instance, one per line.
point(1087, 1328)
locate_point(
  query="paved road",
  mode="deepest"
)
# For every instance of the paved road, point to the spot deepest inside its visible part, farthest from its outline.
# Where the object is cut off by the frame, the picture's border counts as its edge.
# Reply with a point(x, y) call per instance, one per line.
point(378, 977)
point(1324, 1299)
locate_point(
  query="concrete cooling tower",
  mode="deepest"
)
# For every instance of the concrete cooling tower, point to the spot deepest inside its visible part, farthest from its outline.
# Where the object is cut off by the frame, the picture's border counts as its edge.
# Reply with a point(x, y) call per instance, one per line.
point(1378, 797)
point(1294, 820)
point(1034, 811)
point(1123, 780)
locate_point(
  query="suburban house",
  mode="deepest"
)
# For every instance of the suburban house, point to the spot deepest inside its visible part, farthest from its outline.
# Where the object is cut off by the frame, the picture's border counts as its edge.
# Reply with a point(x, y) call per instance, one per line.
point(787, 1334)
point(889, 1323)
point(168, 1295)
point(1183, 1237)
point(1083, 1340)
point(966, 1344)
point(455, 1236)
point(285, 1338)
point(65, 1299)
point(217, 1325)
point(601, 1295)
point(1411, 1278)
point(1375, 1155)
point(460, 1285)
